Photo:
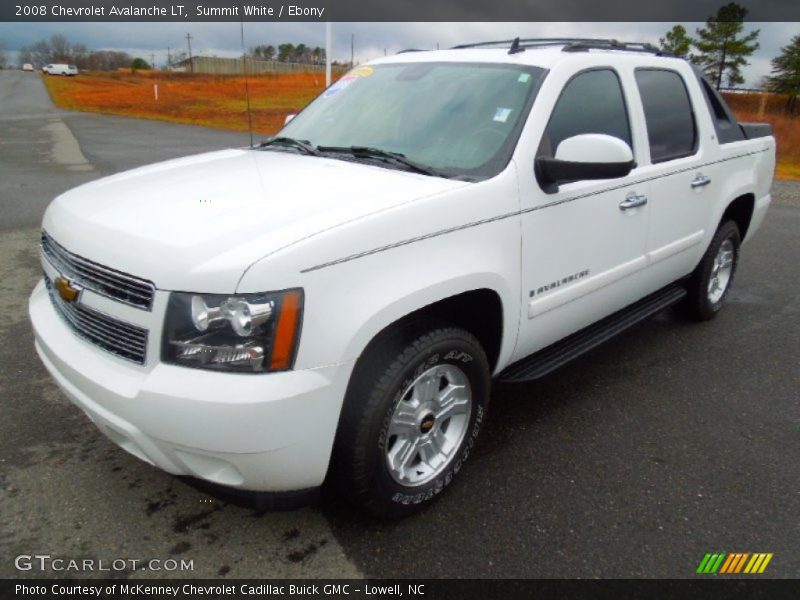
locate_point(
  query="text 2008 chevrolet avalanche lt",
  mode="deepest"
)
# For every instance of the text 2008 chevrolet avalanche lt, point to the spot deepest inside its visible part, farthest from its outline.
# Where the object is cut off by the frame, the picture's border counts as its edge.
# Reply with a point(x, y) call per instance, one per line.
point(335, 301)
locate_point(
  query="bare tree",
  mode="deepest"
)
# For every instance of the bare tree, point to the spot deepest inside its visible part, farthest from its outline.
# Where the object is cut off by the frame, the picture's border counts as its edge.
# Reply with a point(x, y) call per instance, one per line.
point(59, 49)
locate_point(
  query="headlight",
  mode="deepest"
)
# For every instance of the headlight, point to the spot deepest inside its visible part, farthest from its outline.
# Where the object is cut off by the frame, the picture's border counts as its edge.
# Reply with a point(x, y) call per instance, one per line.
point(247, 333)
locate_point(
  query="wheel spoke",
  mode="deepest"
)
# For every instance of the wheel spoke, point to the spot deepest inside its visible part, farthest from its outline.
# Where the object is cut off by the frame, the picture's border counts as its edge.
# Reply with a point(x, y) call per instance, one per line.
point(430, 453)
point(439, 442)
point(452, 401)
point(426, 388)
point(401, 455)
point(403, 423)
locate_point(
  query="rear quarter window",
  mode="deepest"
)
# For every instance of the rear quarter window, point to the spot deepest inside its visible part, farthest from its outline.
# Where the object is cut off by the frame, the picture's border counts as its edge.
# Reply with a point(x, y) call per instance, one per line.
point(727, 128)
point(671, 127)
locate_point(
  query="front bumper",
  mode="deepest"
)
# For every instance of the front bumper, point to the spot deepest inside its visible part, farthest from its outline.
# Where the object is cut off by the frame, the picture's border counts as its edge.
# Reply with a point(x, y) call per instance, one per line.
point(264, 432)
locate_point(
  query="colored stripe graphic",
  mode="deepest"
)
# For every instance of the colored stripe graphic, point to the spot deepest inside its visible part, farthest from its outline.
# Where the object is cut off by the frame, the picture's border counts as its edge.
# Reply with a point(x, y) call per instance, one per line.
point(711, 562)
point(727, 564)
point(755, 562)
point(717, 563)
point(730, 564)
point(703, 563)
point(764, 564)
point(740, 564)
point(734, 563)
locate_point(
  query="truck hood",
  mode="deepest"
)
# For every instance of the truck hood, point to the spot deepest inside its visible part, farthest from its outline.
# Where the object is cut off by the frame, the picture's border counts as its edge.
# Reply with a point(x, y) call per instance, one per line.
point(196, 223)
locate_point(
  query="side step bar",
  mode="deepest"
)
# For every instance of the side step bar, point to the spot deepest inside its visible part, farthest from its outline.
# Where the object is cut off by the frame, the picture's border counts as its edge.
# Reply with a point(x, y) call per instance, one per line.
point(549, 359)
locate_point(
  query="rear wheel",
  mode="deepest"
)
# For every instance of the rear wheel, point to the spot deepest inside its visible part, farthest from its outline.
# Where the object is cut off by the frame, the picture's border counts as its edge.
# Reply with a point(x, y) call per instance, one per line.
point(709, 285)
point(411, 417)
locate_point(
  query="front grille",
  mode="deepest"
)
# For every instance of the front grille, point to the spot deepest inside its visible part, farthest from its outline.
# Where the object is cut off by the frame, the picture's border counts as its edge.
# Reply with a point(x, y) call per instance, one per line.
point(123, 339)
point(103, 280)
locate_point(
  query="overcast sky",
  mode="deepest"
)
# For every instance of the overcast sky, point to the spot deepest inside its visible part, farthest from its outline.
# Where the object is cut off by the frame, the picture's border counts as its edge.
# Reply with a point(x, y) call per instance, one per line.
point(371, 39)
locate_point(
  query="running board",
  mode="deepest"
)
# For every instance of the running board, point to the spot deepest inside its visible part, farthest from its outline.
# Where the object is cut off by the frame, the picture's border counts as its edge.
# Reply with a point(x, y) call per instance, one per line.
point(555, 355)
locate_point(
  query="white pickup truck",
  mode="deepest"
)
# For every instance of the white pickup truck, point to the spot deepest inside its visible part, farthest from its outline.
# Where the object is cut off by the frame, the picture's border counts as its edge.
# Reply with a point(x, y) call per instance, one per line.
point(334, 303)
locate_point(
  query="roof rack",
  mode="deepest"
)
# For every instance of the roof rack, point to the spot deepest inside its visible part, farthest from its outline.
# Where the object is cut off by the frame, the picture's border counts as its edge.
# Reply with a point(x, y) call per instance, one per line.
point(569, 45)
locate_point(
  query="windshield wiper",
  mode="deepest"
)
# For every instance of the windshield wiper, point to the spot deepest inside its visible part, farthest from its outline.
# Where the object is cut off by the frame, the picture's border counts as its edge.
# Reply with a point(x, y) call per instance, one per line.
point(384, 155)
point(303, 145)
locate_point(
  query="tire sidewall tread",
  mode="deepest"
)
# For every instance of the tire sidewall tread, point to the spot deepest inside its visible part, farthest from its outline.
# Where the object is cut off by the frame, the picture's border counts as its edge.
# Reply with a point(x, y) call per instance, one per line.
point(697, 305)
point(359, 467)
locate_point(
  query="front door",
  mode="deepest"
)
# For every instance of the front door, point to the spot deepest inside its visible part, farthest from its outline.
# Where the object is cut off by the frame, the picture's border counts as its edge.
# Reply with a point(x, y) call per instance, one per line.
point(583, 246)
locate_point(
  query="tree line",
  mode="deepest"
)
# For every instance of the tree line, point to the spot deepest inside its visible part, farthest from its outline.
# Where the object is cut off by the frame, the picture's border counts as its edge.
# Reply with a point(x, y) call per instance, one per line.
point(57, 49)
point(289, 53)
point(721, 49)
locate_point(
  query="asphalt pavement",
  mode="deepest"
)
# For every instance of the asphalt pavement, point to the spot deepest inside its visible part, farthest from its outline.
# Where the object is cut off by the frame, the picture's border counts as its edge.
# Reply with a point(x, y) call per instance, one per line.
point(673, 440)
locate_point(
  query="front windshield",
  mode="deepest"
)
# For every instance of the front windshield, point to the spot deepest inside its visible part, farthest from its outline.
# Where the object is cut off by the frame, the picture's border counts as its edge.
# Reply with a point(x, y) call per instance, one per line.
point(460, 119)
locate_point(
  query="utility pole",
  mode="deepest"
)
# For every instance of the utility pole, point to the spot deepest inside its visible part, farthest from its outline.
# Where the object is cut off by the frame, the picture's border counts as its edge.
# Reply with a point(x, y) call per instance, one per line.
point(169, 58)
point(153, 60)
point(328, 49)
point(189, 42)
point(352, 48)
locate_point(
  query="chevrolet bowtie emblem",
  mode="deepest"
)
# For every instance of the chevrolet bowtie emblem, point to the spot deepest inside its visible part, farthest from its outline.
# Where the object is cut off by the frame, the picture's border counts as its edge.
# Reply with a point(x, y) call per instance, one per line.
point(66, 290)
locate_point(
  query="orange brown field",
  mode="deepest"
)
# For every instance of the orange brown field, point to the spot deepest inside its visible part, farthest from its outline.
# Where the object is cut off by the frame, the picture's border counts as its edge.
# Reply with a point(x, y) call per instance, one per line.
point(210, 100)
point(219, 101)
point(772, 108)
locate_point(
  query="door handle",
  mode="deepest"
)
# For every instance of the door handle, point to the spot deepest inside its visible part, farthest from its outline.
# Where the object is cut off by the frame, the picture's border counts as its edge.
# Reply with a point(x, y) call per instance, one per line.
point(700, 180)
point(633, 200)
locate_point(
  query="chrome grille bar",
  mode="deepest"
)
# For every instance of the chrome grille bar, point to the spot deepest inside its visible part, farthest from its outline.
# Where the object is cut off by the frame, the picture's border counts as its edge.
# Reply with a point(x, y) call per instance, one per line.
point(93, 276)
point(123, 339)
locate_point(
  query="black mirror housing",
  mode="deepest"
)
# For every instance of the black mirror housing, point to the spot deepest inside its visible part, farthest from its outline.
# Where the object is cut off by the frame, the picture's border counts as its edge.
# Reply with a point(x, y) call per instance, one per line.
point(552, 171)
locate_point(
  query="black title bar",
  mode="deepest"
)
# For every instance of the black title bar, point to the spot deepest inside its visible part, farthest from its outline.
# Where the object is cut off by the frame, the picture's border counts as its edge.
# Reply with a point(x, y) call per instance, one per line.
point(706, 588)
point(387, 10)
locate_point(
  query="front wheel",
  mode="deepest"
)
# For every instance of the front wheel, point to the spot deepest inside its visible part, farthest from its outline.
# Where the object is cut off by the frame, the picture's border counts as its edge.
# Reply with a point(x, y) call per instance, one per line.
point(708, 286)
point(410, 419)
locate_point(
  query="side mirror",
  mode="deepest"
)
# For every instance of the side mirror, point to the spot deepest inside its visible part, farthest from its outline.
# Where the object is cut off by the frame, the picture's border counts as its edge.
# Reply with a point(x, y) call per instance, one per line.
point(586, 156)
point(288, 118)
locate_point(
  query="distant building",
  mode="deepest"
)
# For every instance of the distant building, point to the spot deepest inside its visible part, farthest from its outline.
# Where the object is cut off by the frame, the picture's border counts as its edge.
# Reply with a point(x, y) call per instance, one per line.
point(213, 65)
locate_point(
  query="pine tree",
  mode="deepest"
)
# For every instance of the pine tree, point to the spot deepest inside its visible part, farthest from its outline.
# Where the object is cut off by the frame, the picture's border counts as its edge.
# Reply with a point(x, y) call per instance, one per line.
point(785, 78)
point(723, 50)
point(676, 42)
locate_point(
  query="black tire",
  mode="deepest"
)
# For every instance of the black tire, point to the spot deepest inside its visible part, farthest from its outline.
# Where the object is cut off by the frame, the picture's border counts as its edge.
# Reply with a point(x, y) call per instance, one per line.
point(359, 467)
point(697, 304)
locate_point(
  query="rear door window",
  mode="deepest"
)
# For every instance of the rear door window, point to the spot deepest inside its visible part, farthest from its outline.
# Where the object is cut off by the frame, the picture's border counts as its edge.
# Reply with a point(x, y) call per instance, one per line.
point(671, 128)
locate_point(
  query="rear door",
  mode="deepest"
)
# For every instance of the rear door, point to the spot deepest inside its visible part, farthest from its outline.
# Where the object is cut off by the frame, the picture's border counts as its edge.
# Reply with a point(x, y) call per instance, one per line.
point(680, 169)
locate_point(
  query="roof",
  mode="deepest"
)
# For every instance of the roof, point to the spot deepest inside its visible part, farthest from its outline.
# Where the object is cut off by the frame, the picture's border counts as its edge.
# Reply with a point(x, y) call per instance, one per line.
point(543, 52)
